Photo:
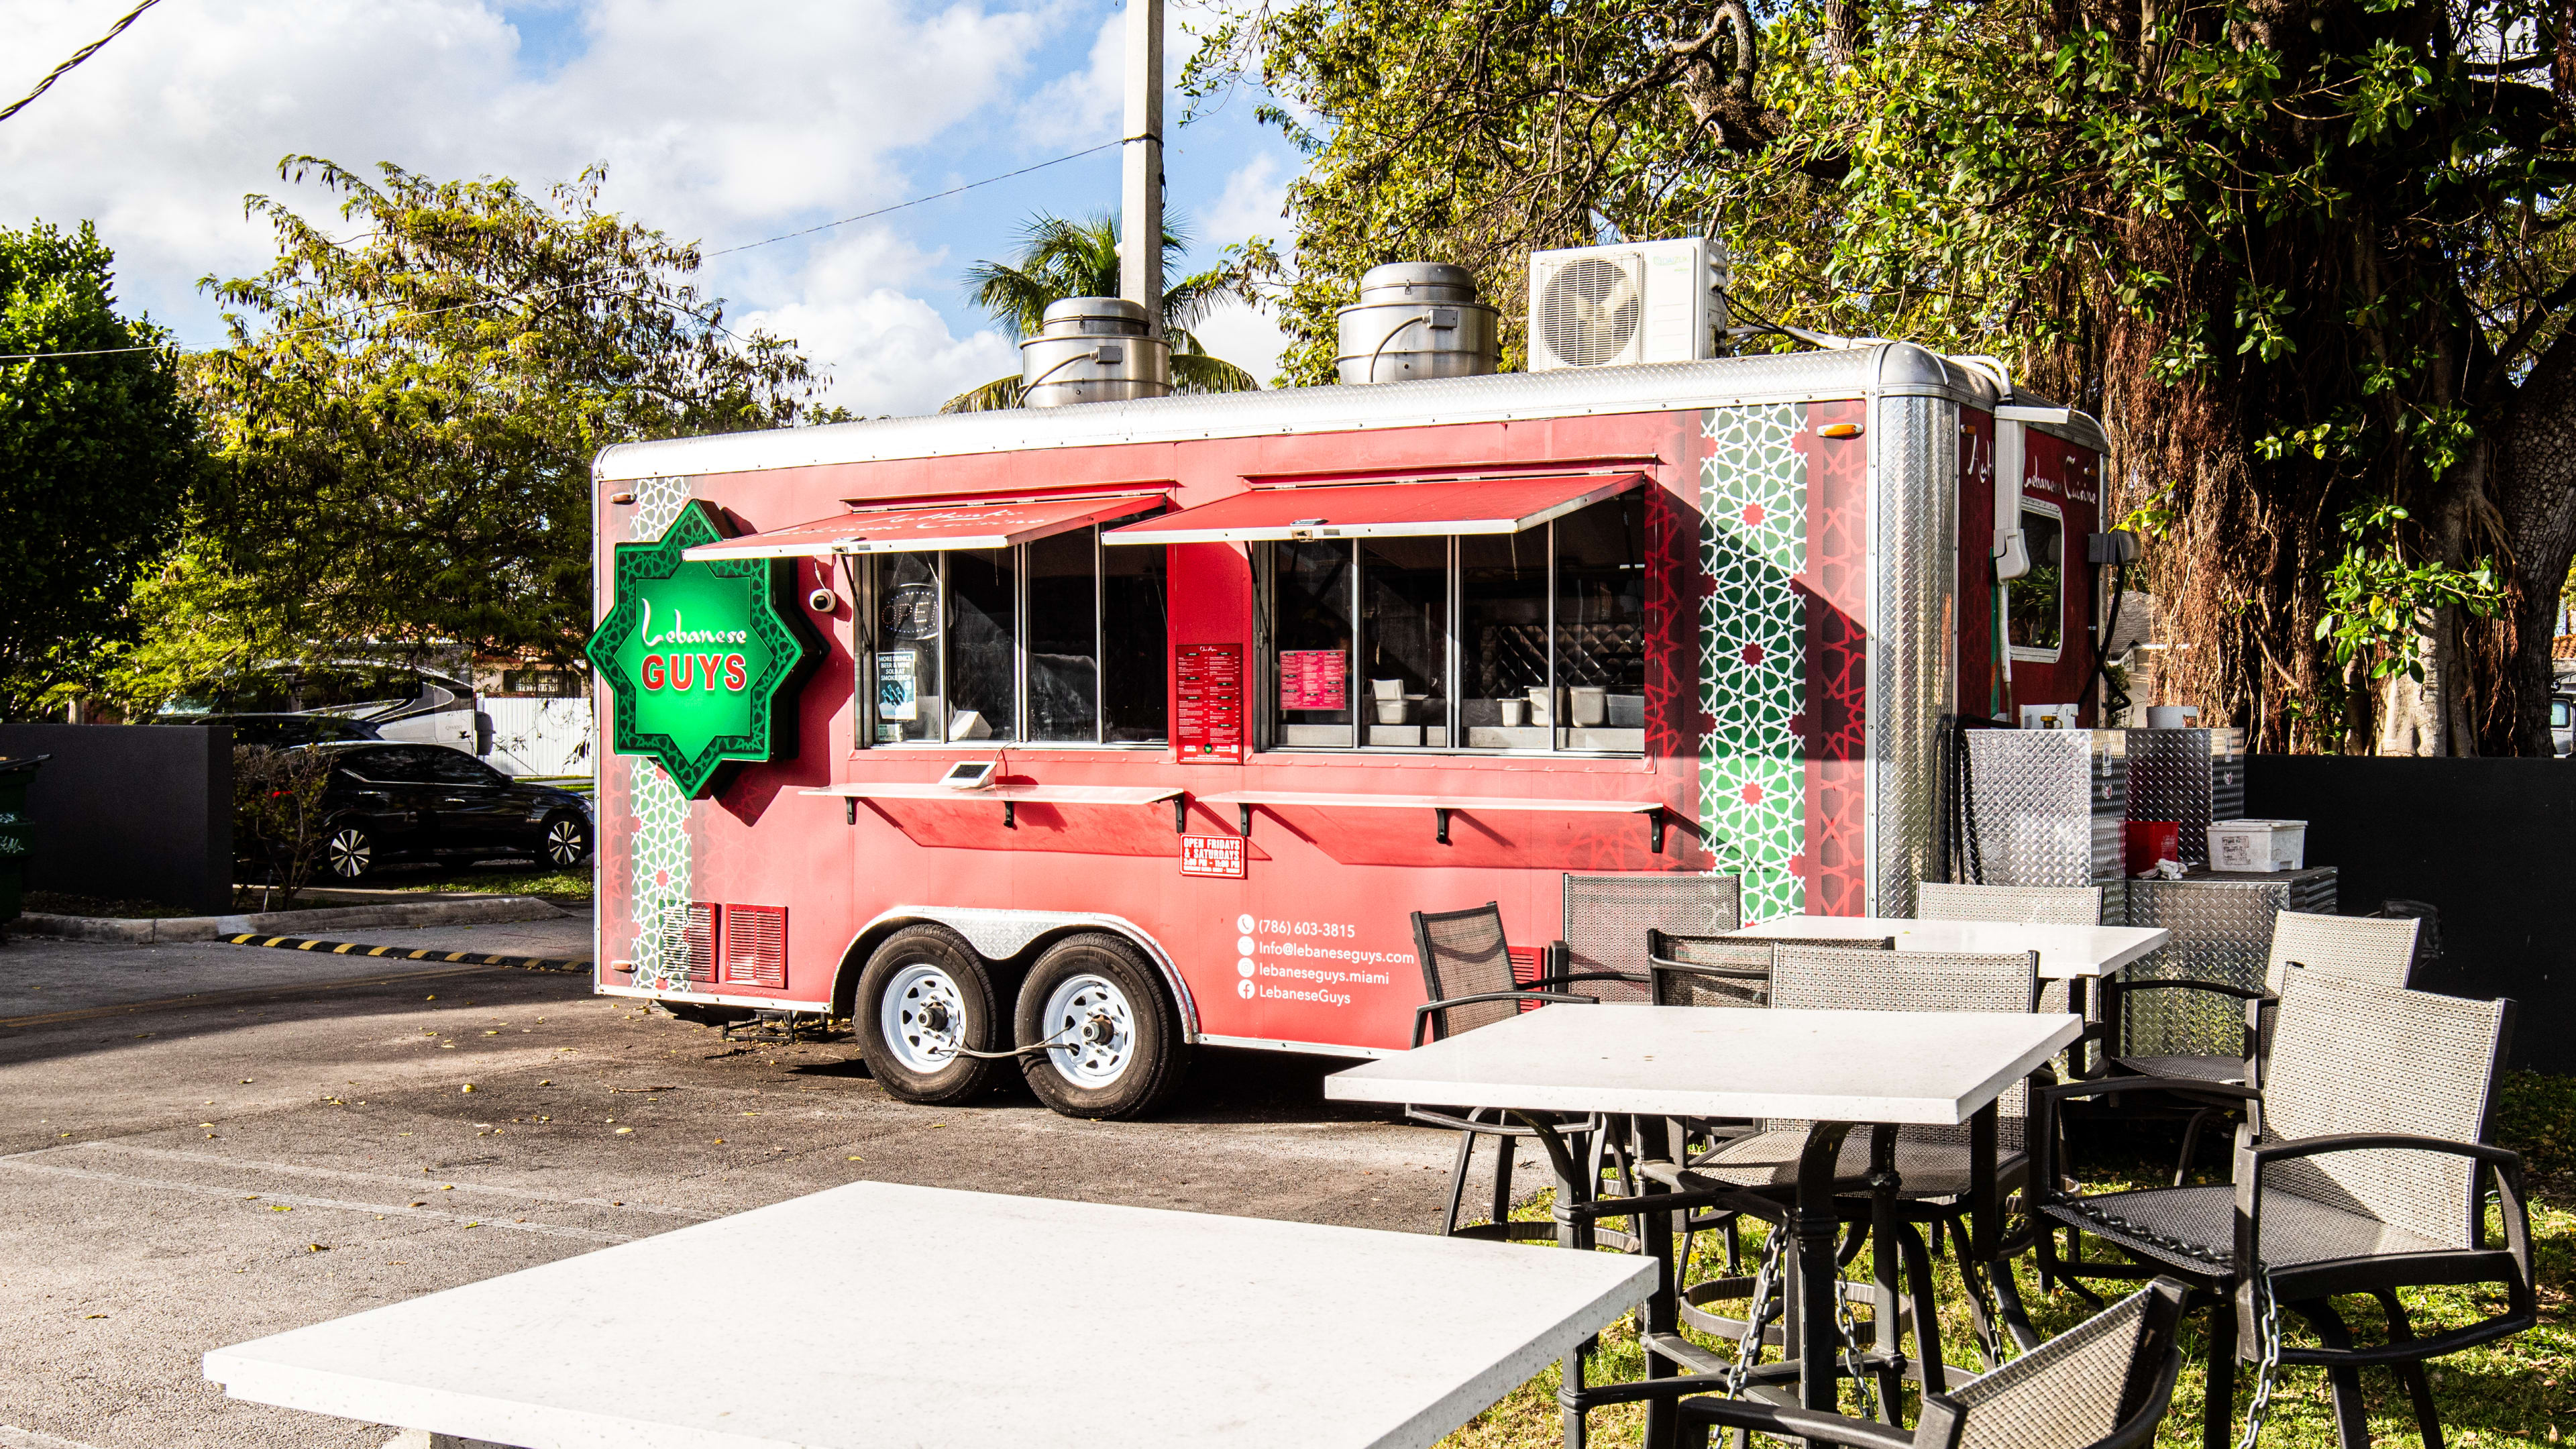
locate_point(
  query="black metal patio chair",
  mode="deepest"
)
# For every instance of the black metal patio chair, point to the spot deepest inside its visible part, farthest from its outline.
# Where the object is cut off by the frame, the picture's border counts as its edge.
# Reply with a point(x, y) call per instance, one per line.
point(1932, 1163)
point(2359, 948)
point(2361, 1170)
point(1468, 982)
point(1607, 919)
point(2103, 1384)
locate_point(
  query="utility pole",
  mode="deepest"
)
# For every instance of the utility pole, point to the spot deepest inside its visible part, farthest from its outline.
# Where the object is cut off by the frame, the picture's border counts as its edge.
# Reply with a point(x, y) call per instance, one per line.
point(1140, 249)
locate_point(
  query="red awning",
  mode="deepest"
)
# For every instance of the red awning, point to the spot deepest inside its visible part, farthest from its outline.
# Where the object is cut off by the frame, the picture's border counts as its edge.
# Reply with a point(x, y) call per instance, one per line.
point(1381, 510)
point(925, 529)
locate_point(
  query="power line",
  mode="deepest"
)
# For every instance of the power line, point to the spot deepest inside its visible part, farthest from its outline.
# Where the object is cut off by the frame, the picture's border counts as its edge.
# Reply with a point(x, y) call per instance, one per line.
point(82, 54)
point(569, 286)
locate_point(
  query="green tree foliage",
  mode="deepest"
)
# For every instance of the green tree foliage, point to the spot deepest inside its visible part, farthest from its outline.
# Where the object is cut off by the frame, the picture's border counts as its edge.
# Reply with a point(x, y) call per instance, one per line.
point(1061, 258)
point(407, 413)
point(2305, 257)
point(97, 454)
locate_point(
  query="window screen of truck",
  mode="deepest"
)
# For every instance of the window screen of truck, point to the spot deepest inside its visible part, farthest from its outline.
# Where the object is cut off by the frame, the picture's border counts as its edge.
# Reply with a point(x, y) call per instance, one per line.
point(2037, 598)
point(1523, 641)
point(1040, 642)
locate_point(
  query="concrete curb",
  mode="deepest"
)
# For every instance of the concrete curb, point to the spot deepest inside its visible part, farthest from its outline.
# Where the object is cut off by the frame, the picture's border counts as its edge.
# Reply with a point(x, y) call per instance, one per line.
point(397, 953)
point(147, 932)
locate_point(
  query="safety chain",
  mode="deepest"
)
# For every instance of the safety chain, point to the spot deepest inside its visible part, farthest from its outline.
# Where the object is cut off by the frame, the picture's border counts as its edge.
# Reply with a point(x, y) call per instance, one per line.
point(2198, 1252)
point(1749, 1347)
point(1850, 1352)
point(2268, 1323)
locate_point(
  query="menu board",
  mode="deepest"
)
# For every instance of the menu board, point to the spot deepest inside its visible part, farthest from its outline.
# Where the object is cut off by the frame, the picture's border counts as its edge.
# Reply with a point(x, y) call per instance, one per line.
point(1314, 679)
point(1207, 722)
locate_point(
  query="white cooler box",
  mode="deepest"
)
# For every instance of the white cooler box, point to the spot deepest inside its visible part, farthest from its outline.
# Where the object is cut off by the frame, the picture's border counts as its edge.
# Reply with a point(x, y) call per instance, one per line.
point(2258, 845)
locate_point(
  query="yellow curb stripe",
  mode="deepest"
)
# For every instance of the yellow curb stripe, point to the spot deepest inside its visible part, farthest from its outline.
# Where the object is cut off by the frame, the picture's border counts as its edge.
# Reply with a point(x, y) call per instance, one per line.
point(470, 958)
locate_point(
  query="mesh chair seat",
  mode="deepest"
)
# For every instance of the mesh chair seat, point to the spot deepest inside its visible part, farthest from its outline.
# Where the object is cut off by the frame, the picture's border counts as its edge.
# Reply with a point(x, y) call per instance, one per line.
point(1931, 1167)
point(2196, 1069)
point(2194, 1228)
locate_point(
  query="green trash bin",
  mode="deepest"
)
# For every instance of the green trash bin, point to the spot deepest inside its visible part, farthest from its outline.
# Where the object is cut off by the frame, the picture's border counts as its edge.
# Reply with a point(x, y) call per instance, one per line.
point(17, 830)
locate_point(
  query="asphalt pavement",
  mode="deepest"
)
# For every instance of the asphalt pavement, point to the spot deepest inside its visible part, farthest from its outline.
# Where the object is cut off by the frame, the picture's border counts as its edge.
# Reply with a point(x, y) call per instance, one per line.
point(202, 1144)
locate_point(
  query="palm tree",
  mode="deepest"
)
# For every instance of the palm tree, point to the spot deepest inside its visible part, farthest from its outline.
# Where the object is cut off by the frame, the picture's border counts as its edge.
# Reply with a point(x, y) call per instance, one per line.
point(1062, 258)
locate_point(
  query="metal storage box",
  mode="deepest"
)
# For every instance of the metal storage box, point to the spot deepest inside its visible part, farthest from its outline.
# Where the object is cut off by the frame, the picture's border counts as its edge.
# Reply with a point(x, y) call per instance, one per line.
point(2222, 931)
point(2046, 809)
point(2191, 777)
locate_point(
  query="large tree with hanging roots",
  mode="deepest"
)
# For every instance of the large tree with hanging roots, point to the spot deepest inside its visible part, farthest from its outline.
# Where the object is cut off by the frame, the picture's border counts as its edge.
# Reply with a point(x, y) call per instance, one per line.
point(2306, 261)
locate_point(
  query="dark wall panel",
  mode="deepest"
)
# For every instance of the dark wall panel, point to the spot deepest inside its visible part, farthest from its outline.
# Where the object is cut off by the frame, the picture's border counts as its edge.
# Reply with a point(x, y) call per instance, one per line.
point(2492, 843)
point(131, 812)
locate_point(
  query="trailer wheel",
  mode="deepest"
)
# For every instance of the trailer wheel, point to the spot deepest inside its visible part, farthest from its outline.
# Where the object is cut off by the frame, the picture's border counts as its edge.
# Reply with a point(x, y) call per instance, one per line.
point(924, 994)
point(1112, 1035)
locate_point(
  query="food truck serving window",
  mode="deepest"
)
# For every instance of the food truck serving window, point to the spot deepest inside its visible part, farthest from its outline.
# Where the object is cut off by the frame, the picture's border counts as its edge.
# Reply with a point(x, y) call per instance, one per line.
point(1533, 640)
point(1056, 641)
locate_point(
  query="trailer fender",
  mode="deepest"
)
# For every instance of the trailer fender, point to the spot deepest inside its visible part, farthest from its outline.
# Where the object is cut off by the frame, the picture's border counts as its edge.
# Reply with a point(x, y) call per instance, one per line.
point(999, 935)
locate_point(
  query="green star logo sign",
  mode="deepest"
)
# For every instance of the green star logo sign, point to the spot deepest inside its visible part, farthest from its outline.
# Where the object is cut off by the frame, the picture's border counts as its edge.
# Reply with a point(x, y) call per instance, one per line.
point(698, 655)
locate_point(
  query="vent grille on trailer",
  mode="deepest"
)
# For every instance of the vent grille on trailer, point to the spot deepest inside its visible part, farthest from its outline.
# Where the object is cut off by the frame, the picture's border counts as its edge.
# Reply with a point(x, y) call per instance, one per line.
point(690, 936)
point(756, 945)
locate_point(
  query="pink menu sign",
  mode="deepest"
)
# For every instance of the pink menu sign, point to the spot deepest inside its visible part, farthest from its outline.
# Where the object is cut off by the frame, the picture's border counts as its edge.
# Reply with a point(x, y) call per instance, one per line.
point(1314, 679)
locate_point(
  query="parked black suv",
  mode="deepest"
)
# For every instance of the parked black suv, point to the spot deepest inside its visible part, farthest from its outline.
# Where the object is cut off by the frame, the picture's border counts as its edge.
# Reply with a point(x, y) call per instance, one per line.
point(280, 731)
point(394, 801)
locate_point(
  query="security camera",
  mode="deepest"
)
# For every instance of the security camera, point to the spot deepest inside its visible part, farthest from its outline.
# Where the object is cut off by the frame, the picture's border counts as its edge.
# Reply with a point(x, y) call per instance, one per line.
point(822, 601)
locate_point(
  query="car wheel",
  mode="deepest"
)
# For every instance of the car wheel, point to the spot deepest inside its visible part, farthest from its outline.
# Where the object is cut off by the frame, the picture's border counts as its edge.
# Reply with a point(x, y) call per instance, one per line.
point(924, 995)
point(349, 852)
point(566, 841)
point(1112, 1037)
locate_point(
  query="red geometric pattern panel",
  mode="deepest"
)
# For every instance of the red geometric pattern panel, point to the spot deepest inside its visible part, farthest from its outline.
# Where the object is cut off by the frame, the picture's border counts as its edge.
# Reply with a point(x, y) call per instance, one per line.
point(1836, 585)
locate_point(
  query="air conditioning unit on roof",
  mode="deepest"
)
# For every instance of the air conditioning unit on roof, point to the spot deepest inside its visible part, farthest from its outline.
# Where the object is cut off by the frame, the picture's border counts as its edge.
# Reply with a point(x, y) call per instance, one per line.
point(1631, 302)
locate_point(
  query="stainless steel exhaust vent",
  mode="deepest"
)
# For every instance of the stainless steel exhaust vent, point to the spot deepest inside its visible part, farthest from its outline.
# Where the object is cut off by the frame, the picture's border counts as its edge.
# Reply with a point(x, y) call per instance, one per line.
point(1094, 349)
point(1416, 320)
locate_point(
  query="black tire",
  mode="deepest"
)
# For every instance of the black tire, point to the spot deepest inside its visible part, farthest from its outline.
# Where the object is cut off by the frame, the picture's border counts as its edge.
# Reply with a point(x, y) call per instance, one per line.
point(348, 851)
point(1144, 1059)
point(910, 1066)
point(563, 841)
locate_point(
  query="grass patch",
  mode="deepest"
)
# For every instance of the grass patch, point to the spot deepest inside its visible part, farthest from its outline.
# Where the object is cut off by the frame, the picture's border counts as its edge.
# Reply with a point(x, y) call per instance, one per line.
point(514, 878)
point(2519, 1392)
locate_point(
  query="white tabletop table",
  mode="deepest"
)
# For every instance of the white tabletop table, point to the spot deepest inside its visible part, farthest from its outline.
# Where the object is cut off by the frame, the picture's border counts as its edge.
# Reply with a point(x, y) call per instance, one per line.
point(2064, 951)
point(878, 1314)
point(1835, 1068)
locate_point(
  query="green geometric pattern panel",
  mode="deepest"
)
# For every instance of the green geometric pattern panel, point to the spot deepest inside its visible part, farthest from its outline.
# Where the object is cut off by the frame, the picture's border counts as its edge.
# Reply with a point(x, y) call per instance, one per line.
point(1753, 651)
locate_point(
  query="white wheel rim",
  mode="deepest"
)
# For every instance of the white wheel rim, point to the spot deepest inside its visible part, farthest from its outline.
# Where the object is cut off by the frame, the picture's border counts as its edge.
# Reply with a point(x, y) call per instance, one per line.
point(350, 854)
point(923, 1018)
point(1094, 1029)
point(564, 843)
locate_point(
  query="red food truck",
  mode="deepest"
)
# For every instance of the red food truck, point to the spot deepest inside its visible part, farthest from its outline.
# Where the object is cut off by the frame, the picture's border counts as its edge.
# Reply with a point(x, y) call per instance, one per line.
point(1117, 728)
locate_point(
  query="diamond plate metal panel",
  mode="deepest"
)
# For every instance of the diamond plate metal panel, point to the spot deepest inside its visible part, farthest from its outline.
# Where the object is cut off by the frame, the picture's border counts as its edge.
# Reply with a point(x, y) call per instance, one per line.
point(2190, 777)
point(2222, 931)
point(1913, 545)
point(2047, 807)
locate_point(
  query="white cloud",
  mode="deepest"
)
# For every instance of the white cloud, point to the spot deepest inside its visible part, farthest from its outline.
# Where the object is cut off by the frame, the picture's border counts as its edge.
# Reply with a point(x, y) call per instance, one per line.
point(721, 122)
point(1252, 204)
point(888, 352)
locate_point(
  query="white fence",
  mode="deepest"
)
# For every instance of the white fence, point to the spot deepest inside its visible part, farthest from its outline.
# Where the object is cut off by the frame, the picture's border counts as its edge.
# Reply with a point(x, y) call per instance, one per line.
point(539, 736)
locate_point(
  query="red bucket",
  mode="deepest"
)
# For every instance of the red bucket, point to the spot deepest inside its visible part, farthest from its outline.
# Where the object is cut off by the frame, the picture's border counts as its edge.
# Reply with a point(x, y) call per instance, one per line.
point(2150, 841)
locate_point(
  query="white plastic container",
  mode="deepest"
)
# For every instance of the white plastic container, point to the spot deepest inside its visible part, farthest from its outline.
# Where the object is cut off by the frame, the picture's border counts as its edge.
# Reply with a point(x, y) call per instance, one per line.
point(2258, 846)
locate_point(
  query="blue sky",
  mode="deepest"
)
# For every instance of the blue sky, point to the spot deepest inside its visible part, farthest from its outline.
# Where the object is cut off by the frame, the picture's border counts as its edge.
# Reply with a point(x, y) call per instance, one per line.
point(728, 124)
